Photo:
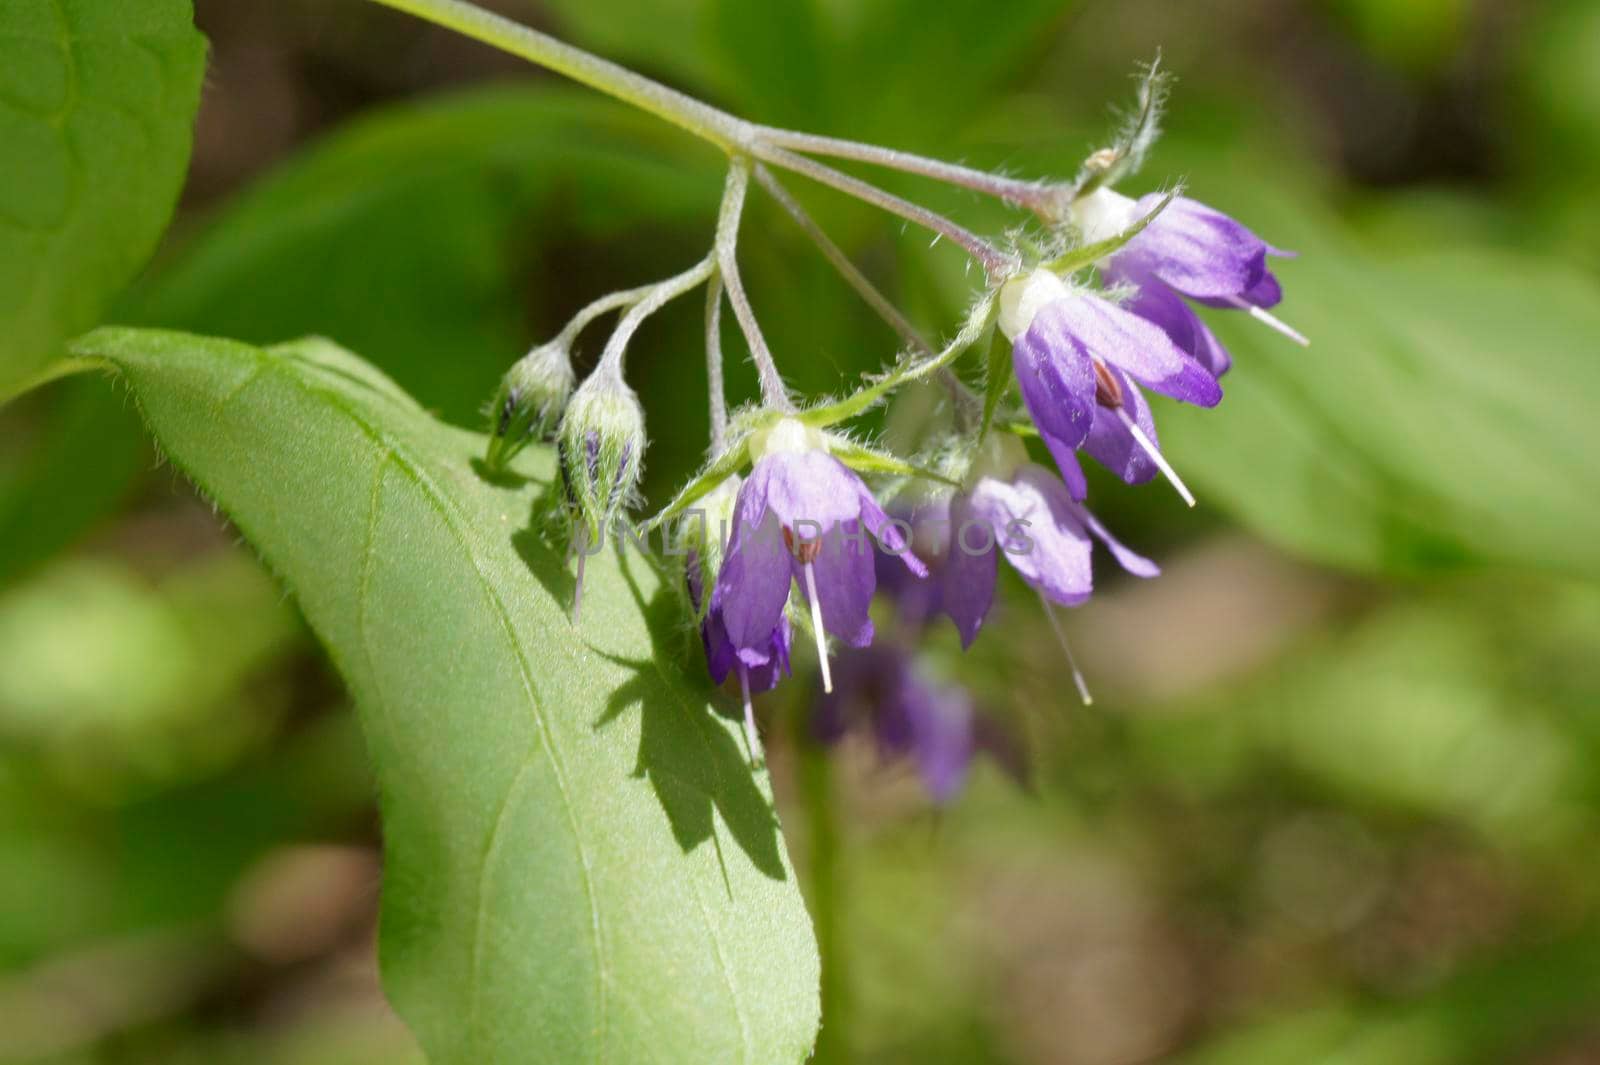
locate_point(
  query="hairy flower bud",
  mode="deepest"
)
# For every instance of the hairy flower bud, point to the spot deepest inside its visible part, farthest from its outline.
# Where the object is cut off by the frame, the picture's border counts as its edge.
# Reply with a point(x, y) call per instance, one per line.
point(529, 402)
point(601, 444)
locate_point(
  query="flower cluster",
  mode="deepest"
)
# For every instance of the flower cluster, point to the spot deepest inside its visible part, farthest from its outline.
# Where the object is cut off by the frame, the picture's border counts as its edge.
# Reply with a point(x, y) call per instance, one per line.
point(803, 543)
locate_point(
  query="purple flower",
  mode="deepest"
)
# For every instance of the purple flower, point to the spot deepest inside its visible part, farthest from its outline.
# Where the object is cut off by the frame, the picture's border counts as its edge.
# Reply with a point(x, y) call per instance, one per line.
point(1022, 510)
point(1188, 250)
point(1077, 358)
point(759, 668)
point(936, 726)
point(801, 516)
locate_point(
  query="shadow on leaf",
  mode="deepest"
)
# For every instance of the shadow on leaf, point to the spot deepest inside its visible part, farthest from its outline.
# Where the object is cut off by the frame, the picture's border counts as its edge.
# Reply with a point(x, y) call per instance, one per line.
point(695, 766)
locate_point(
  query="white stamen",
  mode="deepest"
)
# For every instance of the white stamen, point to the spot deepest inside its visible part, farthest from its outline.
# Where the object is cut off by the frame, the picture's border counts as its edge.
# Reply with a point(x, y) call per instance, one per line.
point(1061, 637)
point(1271, 321)
point(749, 714)
point(1155, 455)
point(577, 591)
point(816, 625)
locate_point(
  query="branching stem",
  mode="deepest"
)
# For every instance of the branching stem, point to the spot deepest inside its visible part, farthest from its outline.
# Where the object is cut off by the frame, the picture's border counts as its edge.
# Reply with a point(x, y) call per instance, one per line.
point(656, 297)
point(1033, 195)
point(735, 136)
point(773, 392)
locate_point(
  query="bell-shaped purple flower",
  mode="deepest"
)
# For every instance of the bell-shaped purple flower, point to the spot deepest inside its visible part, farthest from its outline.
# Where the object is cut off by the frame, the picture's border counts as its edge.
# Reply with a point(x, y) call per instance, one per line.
point(1188, 250)
point(759, 668)
point(1077, 357)
point(1021, 510)
point(802, 516)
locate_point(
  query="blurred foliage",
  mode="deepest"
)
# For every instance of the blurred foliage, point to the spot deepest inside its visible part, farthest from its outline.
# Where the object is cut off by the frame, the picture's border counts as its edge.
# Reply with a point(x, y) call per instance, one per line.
point(1312, 818)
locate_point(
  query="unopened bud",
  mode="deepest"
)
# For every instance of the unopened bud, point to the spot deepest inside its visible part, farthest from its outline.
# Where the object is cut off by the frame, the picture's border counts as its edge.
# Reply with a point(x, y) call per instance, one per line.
point(529, 402)
point(601, 444)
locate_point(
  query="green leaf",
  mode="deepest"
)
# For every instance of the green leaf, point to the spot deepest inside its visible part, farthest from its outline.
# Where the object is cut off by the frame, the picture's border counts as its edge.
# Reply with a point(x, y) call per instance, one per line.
point(1079, 258)
point(580, 865)
point(998, 377)
point(909, 369)
point(727, 463)
point(866, 459)
point(1442, 417)
point(97, 105)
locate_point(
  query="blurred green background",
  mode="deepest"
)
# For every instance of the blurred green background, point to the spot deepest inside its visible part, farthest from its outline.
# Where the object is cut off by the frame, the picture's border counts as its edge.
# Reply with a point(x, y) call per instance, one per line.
point(1338, 798)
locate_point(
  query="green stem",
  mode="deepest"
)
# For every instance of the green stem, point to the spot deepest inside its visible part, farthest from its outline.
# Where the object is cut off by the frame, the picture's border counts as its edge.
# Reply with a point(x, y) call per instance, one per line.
point(604, 305)
point(714, 386)
point(732, 134)
point(709, 123)
point(773, 392)
point(847, 269)
point(1034, 195)
point(996, 263)
point(654, 299)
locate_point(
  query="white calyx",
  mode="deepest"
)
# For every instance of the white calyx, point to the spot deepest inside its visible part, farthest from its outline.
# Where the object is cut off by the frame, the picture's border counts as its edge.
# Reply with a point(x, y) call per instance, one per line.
point(1103, 214)
point(786, 436)
point(1022, 297)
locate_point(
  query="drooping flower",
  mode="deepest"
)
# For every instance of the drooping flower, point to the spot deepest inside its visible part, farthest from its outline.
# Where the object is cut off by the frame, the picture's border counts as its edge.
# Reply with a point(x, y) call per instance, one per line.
point(758, 668)
point(1019, 509)
point(1187, 251)
point(1076, 358)
point(802, 516)
point(936, 726)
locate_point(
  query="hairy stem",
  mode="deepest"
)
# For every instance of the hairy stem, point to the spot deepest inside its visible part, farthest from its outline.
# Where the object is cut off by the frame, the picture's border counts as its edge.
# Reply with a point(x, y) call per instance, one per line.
point(869, 293)
point(732, 134)
point(658, 296)
point(996, 263)
point(1030, 194)
point(714, 387)
point(773, 392)
point(604, 305)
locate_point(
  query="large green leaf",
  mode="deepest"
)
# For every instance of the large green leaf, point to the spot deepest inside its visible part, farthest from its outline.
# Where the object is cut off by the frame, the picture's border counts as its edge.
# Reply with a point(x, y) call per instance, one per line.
point(1443, 415)
point(580, 864)
point(97, 105)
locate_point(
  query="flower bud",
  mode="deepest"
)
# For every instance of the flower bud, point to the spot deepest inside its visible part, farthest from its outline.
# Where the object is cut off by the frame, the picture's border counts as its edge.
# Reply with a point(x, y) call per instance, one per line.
point(529, 401)
point(601, 443)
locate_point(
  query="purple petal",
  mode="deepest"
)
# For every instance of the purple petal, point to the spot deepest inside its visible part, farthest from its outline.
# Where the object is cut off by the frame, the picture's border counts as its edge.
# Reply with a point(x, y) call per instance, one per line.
point(721, 655)
point(808, 487)
point(1067, 462)
point(967, 581)
point(1110, 443)
point(1126, 557)
point(943, 741)
point(753, 584)
point(1161, 306)
point(1198, 251)
point(1056, 374)
point(843, 570)
point(886, 536)
point(774, 666)
point(1051, 550)
point(1140, 348)
point(1264, 294)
